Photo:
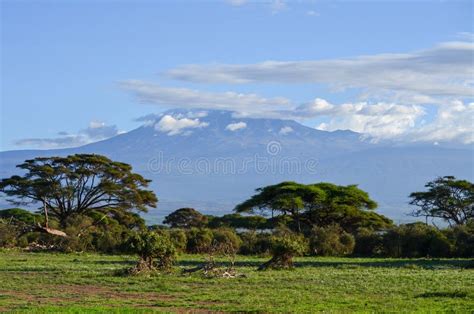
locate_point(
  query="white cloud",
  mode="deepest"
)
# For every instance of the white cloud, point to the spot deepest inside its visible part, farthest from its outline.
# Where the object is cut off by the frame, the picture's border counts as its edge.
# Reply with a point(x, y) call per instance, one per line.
point(99, 130)
point(379, 120)
point(236, 126)
point(96, 131)
point(454, 122)
point(426, 76)
point(286, 130)
point(188, 98)
point(173, 126)
point(312, 13)
point(317, 107)
point(395, 90)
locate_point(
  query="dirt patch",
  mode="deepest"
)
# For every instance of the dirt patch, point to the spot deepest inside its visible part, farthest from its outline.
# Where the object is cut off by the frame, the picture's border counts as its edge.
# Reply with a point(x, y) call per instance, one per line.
point(105, 292)
point(67, 294)
point(78, 294)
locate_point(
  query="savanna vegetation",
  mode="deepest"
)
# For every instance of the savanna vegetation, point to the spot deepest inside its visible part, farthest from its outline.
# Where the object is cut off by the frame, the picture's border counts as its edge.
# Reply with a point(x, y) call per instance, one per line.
point(91, 282)
point(339, 248)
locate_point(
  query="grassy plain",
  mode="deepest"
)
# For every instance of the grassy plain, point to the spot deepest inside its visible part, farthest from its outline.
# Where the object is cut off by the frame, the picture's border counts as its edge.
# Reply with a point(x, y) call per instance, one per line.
point(76, 283)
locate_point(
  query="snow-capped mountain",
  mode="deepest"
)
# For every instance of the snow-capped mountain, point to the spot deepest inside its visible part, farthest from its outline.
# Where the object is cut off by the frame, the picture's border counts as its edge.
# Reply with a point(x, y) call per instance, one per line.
point(212, 160)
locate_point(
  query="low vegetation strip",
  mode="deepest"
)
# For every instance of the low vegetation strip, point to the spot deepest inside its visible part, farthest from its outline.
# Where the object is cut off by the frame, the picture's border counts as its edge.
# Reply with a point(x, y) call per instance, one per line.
point(75, 283)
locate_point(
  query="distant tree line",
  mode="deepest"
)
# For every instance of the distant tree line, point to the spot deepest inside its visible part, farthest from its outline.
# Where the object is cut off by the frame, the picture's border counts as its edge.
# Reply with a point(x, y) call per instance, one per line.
point(93, 202)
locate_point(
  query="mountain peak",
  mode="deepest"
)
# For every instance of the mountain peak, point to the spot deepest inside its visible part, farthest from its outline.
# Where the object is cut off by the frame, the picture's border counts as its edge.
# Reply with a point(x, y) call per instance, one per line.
point(182, 122)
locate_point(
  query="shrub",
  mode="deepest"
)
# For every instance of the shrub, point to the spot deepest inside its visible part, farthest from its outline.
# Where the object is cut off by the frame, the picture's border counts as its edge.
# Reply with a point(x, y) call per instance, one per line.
point(416, 240)
point(255, 243)
point(93, 232)
point(156, 251)
point(179, 239)
point(226, 240)
point(199, 240)
point(331, 241)
point(8, 234)
point(80, 235)
point(110, 238)
point(368, 243)
point(463, 239)
point(284, 248)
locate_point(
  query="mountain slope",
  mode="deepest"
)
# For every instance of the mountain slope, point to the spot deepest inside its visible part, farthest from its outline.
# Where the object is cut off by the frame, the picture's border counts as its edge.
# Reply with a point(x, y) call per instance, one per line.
point(213, 161)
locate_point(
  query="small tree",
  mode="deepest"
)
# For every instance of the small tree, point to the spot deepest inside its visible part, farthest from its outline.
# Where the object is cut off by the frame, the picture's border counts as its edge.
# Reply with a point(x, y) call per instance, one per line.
point(284, 248)
point(447, 198)
point(156, 251)
point(185, 218)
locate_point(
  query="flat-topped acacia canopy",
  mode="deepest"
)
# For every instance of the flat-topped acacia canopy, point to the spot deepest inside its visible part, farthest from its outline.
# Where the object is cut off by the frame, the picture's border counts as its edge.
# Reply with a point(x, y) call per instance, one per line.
point(77, 184)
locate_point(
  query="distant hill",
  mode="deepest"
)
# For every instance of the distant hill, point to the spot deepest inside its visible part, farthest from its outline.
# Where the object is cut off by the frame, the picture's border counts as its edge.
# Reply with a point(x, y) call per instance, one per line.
point(219, 159)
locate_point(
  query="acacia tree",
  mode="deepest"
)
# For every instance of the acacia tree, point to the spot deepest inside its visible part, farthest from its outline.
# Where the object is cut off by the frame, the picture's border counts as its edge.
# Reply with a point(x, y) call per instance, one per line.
point(447, 198)
point(78, 184)
point(320, 204)
point(185, 218)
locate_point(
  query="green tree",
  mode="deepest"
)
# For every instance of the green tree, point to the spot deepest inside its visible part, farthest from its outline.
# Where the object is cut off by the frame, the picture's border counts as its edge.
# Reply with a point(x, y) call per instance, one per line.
point(185, 218)
point(320, 204)
point(78, 184)
point(21, 215)
point(447, 198)
point(238, 221)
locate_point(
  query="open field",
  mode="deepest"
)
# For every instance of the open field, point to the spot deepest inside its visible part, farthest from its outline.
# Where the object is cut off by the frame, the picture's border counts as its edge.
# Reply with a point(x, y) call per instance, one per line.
point(44, 282)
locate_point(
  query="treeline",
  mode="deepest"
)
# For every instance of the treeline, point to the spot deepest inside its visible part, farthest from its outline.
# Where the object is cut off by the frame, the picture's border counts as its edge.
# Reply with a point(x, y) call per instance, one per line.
point(248, 235)
point(90, 203)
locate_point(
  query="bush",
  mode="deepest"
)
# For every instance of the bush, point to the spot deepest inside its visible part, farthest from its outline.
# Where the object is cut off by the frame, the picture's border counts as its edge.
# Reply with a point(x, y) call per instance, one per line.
point(199, 240)
point(156, 251)
point(331, 241)
point(226, 240)
point(463, 239)
point(284, 248)
point(368, 243)
point(255, 243)
point(8, 234)
point(416, 240)
point(110, 238)
point(80, 235)
point(179, 239)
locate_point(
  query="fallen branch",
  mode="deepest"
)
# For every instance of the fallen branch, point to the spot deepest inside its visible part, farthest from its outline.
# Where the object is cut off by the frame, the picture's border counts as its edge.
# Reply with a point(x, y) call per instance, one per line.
point(55, 232)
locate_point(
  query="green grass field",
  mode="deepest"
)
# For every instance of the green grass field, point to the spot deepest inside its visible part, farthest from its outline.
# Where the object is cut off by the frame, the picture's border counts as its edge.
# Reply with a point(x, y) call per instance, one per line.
point(75, 283)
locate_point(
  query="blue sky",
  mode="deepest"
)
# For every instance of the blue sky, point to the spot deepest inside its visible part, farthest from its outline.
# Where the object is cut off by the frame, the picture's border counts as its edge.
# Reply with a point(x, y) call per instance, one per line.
point(89, 68)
